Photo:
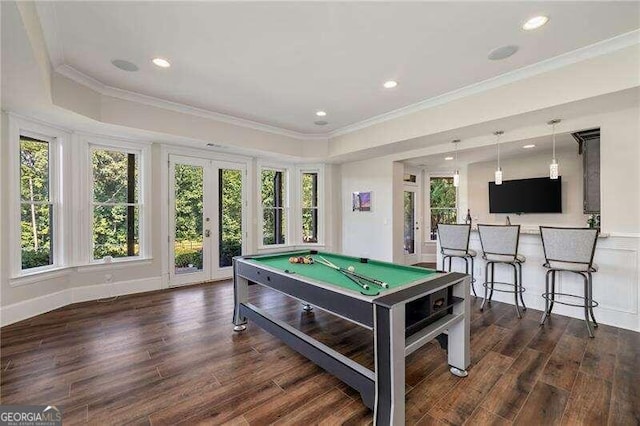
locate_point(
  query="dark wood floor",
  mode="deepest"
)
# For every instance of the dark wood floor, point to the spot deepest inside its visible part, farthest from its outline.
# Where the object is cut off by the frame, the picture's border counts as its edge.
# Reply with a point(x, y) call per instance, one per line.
point(171, 357)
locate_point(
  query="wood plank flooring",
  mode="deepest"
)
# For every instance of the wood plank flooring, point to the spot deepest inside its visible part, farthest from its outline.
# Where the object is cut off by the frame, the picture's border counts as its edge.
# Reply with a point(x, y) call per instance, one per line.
point(171, 357)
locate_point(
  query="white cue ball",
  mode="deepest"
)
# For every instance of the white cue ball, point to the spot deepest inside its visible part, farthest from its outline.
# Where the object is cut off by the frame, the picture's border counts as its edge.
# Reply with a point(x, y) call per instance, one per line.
point(351, 269)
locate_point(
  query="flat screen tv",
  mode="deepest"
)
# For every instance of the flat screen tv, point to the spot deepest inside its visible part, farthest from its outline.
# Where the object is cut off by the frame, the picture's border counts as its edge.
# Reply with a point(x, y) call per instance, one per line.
point(536, 195)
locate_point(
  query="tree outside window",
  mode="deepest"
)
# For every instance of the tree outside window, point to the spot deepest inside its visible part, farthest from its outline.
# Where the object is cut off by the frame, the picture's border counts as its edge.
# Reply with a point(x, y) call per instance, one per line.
point(116, 203)
point(442, 203)
point(274, 206)
point(310, 207)
point(36, 207)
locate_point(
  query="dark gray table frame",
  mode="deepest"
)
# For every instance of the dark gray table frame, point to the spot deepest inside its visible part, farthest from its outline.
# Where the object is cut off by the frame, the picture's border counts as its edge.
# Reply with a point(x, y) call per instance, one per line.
point(382, 390)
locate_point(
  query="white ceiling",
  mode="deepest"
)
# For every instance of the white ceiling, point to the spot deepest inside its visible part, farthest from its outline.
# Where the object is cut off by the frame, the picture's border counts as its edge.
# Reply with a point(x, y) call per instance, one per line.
point(543, 145)
point(277, 63)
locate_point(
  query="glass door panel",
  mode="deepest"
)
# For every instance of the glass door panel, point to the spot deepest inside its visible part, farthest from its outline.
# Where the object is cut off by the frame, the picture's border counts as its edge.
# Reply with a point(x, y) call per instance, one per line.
point(189, 220)
point(229, 215)
point(206, 218)
point(411, 218)
point(189, 213)
point(409, 222)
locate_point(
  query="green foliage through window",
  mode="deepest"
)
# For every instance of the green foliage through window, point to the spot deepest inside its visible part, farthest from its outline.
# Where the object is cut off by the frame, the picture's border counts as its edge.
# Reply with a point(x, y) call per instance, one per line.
point(443, 203)
point(116, 206)
point(36, 212)
point(230, 193)
point(310, 207)
point(273, 191)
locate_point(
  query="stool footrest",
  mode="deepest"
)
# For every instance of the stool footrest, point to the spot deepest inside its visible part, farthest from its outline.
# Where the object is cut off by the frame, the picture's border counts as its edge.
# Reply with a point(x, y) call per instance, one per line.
point(548, 296)
point(518, 289)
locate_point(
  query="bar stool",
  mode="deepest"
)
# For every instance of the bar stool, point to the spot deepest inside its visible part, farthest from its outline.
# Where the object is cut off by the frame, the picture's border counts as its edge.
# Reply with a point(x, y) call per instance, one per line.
point(454, 243)
point(500, 246)
point(570, 250)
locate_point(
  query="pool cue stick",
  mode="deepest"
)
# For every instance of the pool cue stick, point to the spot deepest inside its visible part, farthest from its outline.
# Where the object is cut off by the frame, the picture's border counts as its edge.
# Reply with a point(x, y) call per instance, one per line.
point(343, 272)
point(355, 274)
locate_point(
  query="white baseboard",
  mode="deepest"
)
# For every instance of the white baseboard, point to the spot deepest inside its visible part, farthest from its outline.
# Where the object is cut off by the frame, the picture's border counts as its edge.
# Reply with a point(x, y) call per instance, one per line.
point(39, 305)
point(120, 288)
point(32, 307)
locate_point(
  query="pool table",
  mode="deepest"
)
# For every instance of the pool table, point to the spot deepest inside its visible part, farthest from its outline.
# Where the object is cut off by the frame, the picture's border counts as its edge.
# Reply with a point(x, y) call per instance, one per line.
point(419, 305)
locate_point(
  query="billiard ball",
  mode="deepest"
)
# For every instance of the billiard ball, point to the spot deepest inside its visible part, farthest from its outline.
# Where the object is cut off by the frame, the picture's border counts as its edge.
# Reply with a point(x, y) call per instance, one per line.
point(351, 269)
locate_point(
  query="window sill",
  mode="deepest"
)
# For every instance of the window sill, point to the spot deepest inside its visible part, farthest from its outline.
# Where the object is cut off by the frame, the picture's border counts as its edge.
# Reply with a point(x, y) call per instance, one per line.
point(60, 271)
point(275, 248)
point(37, 276)
point(114, 264)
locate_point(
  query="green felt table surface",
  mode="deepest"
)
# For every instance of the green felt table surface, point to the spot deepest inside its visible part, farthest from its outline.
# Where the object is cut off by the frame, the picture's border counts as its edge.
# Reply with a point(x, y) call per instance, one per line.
point(393, 274)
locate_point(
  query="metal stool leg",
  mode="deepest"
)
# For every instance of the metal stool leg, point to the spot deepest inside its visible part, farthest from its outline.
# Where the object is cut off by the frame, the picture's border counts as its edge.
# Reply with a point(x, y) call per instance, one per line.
point(586, 305)
point(466, 271)
point(524, 307)
point(473, 280)
point(546, 299)
point(493, 277)
point(486, 286)
point(515, 288)
point(553, 290)
point(593, 318)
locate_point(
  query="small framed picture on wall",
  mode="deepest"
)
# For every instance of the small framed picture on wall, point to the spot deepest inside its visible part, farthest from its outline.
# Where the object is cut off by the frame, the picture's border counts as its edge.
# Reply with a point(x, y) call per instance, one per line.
point(361, 201)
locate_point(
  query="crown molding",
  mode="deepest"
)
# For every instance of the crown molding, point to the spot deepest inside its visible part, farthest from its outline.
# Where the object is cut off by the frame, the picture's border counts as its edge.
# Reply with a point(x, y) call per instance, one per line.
point(597, 49)
point(96, 85)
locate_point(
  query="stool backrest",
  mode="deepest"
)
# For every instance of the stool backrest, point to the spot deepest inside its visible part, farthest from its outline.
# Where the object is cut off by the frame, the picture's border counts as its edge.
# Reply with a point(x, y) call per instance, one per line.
point(454, 236)
point(573, 245)
point(499, 239)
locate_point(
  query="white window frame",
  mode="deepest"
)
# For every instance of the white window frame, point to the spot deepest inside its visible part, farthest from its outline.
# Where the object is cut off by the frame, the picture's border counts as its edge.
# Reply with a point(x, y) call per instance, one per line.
point(143, 152)
point(319, 169)
point(287, 209)
point(57, 149)
point(428, 192)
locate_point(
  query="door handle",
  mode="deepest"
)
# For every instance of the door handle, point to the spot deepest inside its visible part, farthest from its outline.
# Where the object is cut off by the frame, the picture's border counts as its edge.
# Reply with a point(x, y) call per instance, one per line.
point(207, 233)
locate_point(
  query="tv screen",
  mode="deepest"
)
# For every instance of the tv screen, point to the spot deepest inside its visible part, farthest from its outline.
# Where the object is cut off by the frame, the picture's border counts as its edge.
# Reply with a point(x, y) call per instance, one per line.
point(536, 195)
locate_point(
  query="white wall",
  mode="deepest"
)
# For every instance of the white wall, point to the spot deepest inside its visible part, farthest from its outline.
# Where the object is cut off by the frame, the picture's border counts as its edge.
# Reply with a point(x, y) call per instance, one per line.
point(368, 234)
point(529, 165)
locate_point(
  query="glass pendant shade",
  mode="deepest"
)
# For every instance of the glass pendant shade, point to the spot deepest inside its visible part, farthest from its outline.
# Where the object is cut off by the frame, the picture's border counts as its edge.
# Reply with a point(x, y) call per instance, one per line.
point(553, 169)
point(498, 174)
point(456, 179)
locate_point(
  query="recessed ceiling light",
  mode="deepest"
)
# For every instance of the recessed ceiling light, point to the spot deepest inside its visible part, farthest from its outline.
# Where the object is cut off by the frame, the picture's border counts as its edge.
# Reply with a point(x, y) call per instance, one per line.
point(502, 52)
point(448, 158)
point(124, 65)
point(535, 22)
point(321, 113)
point(529, 146)
point(162, 63)
point(320, 123)
point(390, 84)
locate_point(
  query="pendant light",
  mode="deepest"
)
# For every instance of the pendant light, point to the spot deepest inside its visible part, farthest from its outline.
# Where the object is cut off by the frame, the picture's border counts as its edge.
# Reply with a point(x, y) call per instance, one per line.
point(456, 174)
point(498, 174)
point(553, 167)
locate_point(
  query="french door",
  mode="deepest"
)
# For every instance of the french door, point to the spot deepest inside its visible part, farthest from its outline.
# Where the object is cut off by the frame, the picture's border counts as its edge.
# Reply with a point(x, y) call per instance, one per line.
point(411, 233)
point(206, 218)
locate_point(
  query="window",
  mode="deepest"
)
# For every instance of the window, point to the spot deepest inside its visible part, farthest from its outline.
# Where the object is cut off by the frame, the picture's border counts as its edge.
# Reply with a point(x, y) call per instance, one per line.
point(442, 198)
point(310, 207)
point(37, 225)
point(116, 203)
point(273, 185)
